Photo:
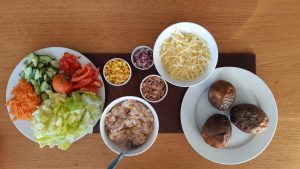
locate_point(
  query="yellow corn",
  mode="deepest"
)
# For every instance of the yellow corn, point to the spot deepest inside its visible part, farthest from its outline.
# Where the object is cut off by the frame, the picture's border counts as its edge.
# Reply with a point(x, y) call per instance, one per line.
point(116, 71)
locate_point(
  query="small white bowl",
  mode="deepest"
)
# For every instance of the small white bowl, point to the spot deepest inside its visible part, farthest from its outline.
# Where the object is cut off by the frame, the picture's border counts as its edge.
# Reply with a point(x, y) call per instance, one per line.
point(142, 148)
point(186, 27)
point(156, 101)
point(134, 50)
point(130, 72)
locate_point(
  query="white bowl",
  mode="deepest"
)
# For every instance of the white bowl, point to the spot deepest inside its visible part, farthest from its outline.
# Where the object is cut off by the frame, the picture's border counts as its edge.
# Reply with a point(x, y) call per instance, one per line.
point(186, 27)
point(130, 72)
point(134, 50)
point(156, 101)
point(151, 138)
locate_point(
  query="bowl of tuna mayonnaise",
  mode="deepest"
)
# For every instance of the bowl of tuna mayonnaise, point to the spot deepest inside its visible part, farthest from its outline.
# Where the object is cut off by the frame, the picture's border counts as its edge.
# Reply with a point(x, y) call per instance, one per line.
point(129, 118)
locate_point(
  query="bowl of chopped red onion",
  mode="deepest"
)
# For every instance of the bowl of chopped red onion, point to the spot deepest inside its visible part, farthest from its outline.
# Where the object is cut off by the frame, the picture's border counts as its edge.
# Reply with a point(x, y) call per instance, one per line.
point(142, 57)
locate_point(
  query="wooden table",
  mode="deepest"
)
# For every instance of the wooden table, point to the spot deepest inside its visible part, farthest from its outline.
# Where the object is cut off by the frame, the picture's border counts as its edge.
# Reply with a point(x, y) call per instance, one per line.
point(269, 28)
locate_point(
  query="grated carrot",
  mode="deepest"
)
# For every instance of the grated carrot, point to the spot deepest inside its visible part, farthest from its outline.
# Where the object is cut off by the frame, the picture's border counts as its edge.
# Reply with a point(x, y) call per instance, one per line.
point(24, 101)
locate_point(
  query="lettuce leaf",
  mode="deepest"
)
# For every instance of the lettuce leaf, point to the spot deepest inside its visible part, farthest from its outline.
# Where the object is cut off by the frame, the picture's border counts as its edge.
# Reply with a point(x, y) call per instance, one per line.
point(63, 118)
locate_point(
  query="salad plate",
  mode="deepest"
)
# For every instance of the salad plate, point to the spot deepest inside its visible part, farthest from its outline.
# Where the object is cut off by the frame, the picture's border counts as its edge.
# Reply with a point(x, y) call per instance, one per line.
point(196, 109)
point(25, 127)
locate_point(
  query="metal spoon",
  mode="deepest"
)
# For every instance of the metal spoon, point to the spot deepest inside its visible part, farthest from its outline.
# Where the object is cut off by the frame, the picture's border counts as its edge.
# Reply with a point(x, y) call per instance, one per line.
point(119, 157)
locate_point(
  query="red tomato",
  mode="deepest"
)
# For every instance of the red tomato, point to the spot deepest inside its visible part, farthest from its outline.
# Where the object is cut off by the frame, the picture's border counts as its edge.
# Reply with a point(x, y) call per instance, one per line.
point(69, 64)
point(86, 73)
point(82, 83)
point(96, 74)
point(61, 84)
point(79, 72)
point(83, 78)
point(89, 88)
point(76, 65)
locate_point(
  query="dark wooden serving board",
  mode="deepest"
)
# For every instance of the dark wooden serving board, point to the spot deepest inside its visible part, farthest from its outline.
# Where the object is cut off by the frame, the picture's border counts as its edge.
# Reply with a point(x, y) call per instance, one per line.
point(168, 110)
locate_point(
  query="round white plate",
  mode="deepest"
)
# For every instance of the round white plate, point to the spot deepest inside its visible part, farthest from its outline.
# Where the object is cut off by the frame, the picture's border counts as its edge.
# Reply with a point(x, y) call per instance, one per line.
point(186, 27)
point(195, 110)
point(25, 126)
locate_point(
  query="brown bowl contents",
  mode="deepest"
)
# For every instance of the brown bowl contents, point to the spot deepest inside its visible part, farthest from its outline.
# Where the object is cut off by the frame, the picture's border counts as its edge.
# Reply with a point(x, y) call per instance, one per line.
point(129, 121)
point(153, 88)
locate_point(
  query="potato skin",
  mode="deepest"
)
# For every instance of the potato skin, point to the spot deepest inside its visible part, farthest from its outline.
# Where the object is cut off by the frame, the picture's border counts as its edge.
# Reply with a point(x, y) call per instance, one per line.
point(216, 131)
point(249, 118)
point(221, 95)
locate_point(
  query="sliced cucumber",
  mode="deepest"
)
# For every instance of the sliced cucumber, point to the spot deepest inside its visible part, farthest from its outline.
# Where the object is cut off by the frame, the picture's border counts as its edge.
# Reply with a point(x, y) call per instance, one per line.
point(24, 67)
point(39, 71)
point(48, 91)
point(37, 90)
point(40, 65)
point(44, 96)
point(27, 62)
point(53, 69)
point(45, 59)
point(35, 60)
point(40, 81)
point(43, 69)
point(22, 74)
point(50, 74)
point(54, 63)
point(45, 86)
point(37, 75)
point(29, 59)
point(27, 72)
point(33, 72)
point(52, 57)
point(46, 78)
point(34, 83)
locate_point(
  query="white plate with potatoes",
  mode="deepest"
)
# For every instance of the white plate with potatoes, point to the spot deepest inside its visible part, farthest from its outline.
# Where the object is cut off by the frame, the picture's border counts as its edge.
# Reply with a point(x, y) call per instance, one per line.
point(231, 117)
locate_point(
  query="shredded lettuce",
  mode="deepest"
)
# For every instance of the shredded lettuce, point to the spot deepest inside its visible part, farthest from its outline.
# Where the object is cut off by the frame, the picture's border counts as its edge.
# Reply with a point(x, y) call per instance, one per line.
point(63, 118)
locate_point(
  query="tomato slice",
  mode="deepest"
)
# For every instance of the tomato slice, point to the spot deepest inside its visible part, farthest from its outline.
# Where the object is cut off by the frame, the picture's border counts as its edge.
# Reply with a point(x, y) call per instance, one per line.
point(76, 64)
point(85, 74)
point(69, 64)
point(82, 83)
point(92, 70)
point(62, 64)
point(79, 72)
point(66, 54)
point(96, 74)
point(89, 88)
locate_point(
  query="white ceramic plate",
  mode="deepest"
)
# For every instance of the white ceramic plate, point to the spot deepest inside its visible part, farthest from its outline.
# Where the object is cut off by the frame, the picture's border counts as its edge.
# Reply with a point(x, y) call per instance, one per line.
point(195, 110)
point(140, 149)
point(186, 27)
point(25, 126)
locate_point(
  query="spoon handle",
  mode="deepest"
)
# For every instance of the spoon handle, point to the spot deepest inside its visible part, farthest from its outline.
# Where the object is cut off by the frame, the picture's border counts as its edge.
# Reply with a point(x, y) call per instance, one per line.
point(116, 160)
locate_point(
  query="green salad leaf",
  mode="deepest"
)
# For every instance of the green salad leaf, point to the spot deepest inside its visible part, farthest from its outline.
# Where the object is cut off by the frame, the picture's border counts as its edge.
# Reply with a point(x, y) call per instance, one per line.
point(63, 118)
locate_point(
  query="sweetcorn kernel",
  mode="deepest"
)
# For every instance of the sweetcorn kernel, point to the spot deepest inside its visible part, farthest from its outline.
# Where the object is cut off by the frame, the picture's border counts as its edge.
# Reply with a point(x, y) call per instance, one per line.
point(117, 71)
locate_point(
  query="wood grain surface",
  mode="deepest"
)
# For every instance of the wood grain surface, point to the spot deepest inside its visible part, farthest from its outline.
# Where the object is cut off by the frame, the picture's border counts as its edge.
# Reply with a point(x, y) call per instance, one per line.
point(269, 28)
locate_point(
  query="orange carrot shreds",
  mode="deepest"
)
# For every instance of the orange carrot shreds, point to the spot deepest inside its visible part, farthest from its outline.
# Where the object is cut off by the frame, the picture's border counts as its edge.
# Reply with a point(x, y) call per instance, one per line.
point(24, 101)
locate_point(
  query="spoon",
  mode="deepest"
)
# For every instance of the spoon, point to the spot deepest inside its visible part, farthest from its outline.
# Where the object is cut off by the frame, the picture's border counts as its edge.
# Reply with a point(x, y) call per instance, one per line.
point(119, 157)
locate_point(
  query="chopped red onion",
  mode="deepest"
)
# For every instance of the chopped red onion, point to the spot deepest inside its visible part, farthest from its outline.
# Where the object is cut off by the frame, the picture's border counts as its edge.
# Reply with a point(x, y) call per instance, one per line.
point(143, 58)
